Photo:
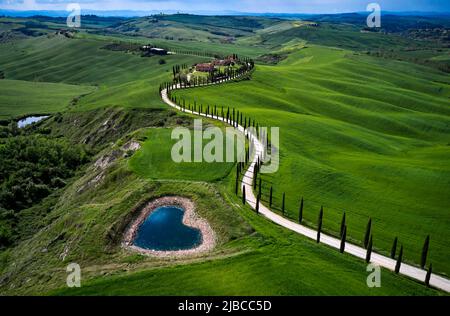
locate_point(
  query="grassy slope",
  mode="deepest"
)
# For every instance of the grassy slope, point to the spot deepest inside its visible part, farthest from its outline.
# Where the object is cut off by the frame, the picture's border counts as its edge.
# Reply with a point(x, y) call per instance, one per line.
point(158, 164)
point(335, 35)
point(365, 136)
point(123, 80)
point(272, 261)
point(193, 28)
point(19, 98)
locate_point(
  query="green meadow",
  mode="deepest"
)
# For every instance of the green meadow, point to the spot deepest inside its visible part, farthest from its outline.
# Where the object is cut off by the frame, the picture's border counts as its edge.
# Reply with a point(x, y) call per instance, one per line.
point(357, 135)
point(271, 261)
point(154, 160)
point(19, 98)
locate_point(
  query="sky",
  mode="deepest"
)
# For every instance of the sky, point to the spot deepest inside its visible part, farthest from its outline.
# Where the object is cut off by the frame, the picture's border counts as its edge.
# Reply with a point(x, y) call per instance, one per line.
point(254, 6)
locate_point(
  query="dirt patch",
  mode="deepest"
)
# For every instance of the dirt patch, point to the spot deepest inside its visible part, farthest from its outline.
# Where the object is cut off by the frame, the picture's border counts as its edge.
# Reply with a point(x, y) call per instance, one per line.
point(132, 146)
point(190, 219)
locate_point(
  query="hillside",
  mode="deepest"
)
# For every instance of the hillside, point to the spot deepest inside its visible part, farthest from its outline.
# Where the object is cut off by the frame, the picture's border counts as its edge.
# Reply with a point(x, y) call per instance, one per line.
point(359, 136)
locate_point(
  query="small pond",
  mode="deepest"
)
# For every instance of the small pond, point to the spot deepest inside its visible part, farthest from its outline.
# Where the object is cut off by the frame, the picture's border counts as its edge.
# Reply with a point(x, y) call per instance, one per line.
point(163, 230)
point(30, 120)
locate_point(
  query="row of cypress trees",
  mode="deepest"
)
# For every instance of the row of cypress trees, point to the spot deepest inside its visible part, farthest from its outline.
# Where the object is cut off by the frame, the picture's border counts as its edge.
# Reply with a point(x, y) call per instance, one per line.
point(368, 236)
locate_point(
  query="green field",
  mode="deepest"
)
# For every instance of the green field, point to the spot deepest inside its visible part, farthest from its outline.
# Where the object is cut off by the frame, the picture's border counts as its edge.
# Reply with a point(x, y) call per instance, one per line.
point(271, 262)
point(154, 161)
point(358, 135)
point(19, 98)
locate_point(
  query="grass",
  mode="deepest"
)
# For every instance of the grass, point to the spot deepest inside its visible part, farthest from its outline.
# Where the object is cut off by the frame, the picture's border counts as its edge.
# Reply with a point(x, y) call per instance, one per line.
point(154, 160)
point(192, 28)
point(123, 80)
point(359, 135)
point(260, 268)
point(20, 98)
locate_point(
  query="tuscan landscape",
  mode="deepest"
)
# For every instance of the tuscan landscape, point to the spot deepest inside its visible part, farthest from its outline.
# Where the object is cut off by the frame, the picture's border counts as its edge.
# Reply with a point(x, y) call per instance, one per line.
point(340, 138)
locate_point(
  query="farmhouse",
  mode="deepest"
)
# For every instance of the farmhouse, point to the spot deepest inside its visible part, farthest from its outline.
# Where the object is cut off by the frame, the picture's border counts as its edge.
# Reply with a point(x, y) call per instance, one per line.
point(208, 67)
point(229, 61)
point(222, 62)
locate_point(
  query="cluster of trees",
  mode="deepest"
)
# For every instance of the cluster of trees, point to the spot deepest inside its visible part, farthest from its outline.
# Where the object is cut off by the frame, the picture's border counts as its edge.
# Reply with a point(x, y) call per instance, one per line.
point(194, 53)
point(180, 78)
point(31, 168)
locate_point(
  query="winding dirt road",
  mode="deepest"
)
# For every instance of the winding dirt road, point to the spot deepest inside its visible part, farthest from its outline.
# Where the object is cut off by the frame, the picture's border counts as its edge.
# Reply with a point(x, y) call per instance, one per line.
point(376, 259)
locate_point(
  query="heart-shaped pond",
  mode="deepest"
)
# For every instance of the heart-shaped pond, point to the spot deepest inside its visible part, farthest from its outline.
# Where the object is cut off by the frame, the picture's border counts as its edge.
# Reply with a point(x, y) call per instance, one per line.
point(164, 230)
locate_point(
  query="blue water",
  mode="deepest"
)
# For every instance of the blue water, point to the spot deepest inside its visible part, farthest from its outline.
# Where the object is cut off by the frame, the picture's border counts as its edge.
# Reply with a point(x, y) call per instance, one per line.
point(164, 230)
point(30, 120)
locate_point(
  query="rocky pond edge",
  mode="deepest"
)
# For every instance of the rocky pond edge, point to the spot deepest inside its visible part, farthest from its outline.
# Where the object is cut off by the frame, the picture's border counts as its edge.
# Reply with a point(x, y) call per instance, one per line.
point(190, 219)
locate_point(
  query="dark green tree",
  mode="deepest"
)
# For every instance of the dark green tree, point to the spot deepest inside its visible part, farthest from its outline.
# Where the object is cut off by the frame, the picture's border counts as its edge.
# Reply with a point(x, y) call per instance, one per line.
point(257, 203)
point(428, 276)
point(260, 186)
point(369, 250)
point(367, 235)
point(394, 248)
point(342, 224)
point(399, 260)
point(270, 197)
point(243, 195)
point(319, 224)
point(300, 212)
point(343, 239)
point(426, 245)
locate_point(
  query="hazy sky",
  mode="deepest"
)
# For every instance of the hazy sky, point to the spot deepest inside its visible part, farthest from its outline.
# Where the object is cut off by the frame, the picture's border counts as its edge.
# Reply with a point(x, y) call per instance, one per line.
point(285, 6)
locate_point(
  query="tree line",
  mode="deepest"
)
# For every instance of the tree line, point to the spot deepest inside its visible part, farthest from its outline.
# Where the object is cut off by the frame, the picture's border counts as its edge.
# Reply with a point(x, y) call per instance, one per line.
point(367, 240)
point(31, 168)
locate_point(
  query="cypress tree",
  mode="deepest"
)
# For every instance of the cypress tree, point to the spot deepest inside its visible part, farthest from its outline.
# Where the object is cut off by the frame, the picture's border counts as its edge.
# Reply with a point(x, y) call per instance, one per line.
point(369, 250)
point(260, 186)
point(428, 276)
point(426, 245)
point(399, 260)
point(270, 197)
point(367, 236)
point(342, 224)
point(343, 239)
point(243, 195)
point(319, 224)
point(300, 212)
point(394, 248)
point(257, 204)
point(283, 204)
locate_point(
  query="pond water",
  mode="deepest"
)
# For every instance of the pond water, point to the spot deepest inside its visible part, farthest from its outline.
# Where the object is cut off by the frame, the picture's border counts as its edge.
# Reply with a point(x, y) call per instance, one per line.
point(164, 230)
point(30, 120)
